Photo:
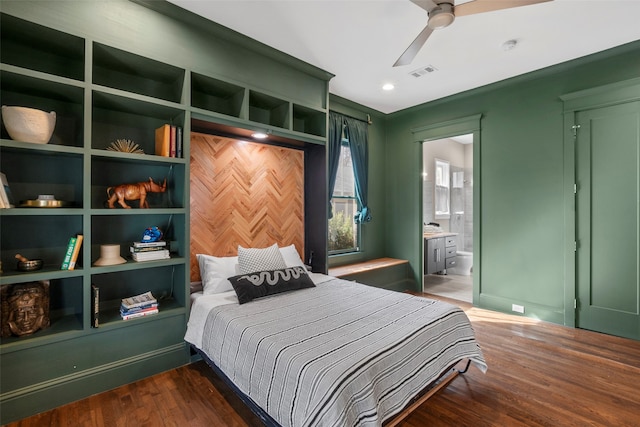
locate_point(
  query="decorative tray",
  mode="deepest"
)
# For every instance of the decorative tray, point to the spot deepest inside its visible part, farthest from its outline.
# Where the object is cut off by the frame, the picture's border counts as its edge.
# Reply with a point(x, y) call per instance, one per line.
point(44, 201)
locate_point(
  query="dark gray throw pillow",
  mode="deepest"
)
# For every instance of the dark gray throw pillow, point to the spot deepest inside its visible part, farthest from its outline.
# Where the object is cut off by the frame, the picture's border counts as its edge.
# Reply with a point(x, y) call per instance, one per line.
point(263, 283)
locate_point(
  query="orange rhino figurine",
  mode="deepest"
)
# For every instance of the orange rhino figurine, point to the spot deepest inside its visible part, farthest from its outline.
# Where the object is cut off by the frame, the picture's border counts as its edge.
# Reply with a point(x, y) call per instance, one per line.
point(135, 191)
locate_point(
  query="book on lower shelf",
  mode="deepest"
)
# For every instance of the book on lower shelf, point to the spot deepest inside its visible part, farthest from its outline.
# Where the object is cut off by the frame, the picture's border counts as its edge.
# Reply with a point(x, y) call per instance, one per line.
point(126, 315)
point(138, 306)
point(95, 306)
point(139, 300)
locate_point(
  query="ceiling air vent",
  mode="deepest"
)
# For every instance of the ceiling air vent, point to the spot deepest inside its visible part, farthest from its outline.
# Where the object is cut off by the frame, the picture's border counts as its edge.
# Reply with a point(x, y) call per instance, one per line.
point(422, 71)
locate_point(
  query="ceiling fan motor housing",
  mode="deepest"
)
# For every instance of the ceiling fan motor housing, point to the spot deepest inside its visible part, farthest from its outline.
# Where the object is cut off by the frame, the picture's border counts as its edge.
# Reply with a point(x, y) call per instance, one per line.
point(441, 16)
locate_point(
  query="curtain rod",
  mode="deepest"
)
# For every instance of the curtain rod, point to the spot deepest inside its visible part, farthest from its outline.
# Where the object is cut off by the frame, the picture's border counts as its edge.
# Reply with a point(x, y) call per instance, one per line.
point(368, 120)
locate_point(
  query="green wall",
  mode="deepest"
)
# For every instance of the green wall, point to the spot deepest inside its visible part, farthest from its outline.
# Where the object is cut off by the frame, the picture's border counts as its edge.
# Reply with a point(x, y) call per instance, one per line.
point(521, 250)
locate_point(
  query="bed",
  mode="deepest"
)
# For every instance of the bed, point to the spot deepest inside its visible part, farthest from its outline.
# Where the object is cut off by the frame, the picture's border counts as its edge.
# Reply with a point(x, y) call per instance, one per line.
point(328, 352)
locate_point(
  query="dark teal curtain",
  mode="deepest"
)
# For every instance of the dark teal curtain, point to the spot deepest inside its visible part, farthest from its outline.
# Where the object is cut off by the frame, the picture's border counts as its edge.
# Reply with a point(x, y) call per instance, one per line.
point(357, 133)
point(336, 125)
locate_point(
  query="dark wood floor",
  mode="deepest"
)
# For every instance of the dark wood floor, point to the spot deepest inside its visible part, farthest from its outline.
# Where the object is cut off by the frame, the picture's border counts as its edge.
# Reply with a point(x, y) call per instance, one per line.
point(540, 374)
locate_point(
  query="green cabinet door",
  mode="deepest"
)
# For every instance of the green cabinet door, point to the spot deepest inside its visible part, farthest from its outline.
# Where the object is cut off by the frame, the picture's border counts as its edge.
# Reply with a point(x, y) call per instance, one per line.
point(607, 217)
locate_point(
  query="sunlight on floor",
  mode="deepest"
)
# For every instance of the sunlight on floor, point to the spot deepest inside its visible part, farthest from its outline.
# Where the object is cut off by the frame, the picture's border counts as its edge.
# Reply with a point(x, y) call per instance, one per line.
point(461, 288)
point(450, 286)
point(482, 315)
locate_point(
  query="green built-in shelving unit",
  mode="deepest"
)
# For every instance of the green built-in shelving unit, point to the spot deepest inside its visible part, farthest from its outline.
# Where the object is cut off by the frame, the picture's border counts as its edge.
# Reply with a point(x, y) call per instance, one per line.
point(100, 94)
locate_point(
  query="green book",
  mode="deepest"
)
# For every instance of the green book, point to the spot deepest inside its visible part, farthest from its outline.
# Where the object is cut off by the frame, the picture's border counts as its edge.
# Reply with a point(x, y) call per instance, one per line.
point(68, 254)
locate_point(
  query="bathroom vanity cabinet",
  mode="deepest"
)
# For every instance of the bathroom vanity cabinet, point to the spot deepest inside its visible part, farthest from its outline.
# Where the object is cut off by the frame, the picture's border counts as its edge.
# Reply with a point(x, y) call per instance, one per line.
point(439, 252)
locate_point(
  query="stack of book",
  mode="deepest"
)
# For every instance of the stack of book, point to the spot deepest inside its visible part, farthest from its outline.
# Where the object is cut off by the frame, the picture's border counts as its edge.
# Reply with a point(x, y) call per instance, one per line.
point(169, 141)
point(149, 251)
point(138, 306)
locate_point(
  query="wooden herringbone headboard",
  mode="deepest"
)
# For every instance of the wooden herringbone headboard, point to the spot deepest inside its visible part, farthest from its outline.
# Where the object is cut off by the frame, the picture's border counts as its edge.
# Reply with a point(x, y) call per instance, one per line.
point(244, 193)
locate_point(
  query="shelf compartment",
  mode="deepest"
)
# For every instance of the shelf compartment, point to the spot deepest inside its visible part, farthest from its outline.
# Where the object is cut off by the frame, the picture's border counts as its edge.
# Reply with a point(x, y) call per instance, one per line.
point(125, 229)
point(268, 110)
point(37, 237)
point(117, 117)
point(216, 95)
point(67, 102)
point(31, 173)
point(310, 121)
point(33, 46)
point(110, 172)
point(136, 74)
point(110, 311)
point(164, 282)
point(65, 310)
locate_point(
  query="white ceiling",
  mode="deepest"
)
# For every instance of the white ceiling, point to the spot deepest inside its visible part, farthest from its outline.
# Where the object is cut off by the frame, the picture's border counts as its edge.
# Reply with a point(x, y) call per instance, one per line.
point(359, 40)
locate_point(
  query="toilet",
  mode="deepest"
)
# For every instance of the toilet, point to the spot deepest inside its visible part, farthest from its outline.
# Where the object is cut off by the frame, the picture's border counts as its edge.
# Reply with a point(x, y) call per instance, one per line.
point(464, 264)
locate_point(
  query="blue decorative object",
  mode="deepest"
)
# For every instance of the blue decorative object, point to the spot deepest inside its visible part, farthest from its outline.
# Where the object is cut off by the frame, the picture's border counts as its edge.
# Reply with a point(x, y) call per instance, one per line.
point(152, 234)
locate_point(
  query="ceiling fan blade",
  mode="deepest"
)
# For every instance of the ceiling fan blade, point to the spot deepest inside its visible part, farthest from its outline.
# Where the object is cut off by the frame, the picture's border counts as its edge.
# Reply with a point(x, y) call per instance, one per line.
point(481, 6)
point(413, 49)
point(425, 4)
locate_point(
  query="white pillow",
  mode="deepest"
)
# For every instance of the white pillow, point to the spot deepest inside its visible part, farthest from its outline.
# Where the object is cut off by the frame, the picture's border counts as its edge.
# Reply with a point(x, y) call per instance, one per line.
point(214, 272)
point(253, 259)
point(291, 257)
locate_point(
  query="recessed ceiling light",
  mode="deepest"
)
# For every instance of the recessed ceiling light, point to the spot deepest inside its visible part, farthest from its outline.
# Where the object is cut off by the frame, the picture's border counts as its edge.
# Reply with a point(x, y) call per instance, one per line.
point(259, 135)
point(388, 86)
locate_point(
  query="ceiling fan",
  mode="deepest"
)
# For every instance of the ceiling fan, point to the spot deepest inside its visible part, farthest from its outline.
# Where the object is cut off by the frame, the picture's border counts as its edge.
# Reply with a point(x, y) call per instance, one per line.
point(442, 13)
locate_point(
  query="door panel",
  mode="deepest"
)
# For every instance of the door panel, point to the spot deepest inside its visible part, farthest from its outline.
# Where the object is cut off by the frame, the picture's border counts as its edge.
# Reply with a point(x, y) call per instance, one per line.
point(607, 217)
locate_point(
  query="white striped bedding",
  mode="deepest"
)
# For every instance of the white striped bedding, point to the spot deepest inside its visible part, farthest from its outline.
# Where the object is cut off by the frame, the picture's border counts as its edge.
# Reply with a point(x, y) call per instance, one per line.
point(340, 354)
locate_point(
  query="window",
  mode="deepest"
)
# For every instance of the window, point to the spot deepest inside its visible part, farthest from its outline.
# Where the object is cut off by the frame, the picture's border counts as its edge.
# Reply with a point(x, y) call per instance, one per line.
point(442, 189)
point(344, 233)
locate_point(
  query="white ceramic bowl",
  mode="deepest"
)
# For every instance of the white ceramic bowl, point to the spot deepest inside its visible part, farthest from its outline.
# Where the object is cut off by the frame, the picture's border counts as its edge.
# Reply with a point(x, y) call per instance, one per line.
point(28, 124)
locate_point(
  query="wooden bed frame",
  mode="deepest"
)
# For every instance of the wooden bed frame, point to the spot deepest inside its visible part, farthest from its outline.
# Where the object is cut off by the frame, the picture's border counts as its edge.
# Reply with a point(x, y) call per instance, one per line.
point(438, 384)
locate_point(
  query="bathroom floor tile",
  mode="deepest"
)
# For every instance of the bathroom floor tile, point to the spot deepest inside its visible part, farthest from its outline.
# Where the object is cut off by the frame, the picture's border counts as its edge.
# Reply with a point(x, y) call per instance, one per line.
point(450, 286)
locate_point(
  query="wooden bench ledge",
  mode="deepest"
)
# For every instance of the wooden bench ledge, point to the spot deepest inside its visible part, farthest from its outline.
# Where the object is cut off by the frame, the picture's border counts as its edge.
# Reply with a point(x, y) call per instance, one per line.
point(374, 264)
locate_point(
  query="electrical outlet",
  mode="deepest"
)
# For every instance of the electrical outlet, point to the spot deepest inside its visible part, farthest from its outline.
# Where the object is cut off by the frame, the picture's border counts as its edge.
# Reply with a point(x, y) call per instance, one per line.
point(517, 308)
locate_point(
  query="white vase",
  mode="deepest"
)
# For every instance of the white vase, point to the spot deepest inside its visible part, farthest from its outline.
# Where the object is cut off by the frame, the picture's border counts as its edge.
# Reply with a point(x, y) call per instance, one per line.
point(109, 255)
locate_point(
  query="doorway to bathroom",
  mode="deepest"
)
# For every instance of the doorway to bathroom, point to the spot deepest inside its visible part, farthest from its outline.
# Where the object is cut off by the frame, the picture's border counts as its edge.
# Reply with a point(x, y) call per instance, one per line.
point(447, 214)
